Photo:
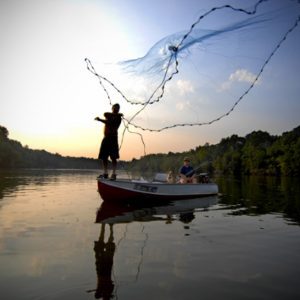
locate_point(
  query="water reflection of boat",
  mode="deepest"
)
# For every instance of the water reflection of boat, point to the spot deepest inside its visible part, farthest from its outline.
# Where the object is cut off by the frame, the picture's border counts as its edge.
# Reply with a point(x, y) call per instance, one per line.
point(111, 213)
point(116, 212)
point(124, 189)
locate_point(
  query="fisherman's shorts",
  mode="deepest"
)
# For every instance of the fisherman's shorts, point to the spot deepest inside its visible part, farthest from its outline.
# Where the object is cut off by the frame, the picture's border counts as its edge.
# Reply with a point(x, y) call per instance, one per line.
point(109, 148)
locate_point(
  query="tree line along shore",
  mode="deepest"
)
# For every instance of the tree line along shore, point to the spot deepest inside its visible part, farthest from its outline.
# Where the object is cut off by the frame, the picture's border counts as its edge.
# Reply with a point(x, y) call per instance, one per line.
point(258, 153)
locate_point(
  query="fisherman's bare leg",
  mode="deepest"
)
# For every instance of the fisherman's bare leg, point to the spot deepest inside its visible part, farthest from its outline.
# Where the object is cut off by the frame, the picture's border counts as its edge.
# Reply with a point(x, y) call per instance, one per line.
point(105, 166)
point(114, 166)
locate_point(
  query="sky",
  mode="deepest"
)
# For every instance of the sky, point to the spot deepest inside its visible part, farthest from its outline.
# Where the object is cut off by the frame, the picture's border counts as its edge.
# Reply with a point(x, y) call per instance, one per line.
point(48, 98)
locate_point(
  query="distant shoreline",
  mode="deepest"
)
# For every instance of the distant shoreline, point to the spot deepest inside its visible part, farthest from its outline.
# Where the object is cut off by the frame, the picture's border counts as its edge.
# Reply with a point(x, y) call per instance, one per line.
point(258, 153)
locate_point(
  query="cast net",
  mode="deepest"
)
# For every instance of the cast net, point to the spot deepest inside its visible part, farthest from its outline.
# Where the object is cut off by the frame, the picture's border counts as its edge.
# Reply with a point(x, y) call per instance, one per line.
point(199, 76)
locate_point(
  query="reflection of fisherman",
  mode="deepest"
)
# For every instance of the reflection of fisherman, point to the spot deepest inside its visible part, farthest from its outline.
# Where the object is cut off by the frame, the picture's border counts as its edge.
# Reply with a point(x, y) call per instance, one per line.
point(104, 253)
point(187, 217)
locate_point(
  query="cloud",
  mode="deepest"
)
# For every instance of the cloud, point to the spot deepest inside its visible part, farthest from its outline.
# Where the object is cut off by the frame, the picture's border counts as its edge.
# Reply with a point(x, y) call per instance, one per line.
point(184, 87)
point(240, 75)
point(180, 106)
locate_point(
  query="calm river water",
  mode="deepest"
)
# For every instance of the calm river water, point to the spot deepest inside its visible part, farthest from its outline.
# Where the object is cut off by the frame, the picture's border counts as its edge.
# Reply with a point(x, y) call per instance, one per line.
point(58, 240)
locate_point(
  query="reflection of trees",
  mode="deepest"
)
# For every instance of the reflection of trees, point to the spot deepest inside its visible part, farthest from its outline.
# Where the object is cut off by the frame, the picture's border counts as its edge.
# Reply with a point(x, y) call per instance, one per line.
point(14, 180)
point(104, 254)
point(258, 195)
point(9, 183)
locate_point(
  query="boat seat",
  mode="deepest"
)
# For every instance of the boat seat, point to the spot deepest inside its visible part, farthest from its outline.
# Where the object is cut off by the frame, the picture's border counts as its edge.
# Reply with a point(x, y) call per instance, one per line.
point(160, 177)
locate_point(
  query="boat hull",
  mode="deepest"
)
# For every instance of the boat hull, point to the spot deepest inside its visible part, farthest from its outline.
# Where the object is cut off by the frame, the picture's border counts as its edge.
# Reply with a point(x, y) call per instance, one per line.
point(120, 190)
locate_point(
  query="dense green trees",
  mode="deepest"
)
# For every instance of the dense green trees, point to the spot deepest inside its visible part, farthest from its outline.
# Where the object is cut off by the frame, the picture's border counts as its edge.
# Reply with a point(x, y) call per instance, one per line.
point(256, 153)
point(284, 153)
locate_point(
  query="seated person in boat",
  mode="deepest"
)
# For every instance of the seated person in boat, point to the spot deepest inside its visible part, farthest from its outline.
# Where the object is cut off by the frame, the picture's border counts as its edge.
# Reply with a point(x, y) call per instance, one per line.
point(186, 172)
